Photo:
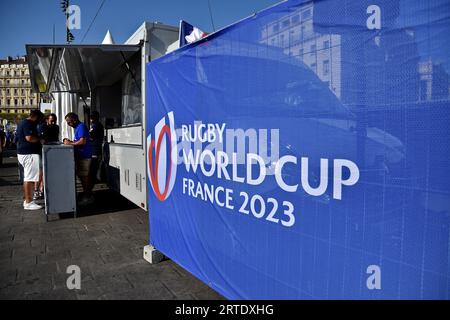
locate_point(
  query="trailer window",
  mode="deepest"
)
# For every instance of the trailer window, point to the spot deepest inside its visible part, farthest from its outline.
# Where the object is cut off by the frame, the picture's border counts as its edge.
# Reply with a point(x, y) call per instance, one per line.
point(131, 93)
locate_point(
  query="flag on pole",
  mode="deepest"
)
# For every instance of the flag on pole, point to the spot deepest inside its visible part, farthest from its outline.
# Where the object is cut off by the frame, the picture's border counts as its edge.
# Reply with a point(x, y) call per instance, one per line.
point(189, 33)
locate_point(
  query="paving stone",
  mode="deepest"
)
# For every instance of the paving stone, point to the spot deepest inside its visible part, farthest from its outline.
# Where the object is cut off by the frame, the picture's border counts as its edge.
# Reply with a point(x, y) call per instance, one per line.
point(89, 291)
point(27, 260)
point(119, 228)
point(137, 251)
point(209, 294)
point(8, 278)
point(59, 279)
point(36, 284)
point(5, 253)
point(96, 226)
point(61, 294)
point(85, 258)
point(92, 234)
point(65, 233)
point(6, 238)
point(52, 256)
point(134, 237)
point(116, 257)
point(154, 289)
point(185, 285)
point(36, 271)
point(112, 282)
point(5, 231)
point(12, 293)
point(108, 247)
point(27, 250)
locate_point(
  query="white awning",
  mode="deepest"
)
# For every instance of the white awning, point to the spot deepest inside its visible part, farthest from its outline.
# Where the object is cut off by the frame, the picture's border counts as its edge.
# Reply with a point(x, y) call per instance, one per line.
point(77, 68)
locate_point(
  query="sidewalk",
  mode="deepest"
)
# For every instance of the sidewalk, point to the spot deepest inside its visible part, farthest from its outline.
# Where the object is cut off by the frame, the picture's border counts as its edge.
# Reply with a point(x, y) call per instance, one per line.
point(107, 245)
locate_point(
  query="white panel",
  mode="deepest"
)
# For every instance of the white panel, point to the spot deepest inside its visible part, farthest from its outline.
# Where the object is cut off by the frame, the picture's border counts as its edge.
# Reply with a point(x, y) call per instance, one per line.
point(130, 161)
point(116, 153)
point(126, 135)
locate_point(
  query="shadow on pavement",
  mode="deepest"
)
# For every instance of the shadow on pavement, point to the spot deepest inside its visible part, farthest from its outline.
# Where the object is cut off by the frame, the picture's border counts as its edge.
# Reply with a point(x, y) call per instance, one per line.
point(106, 201)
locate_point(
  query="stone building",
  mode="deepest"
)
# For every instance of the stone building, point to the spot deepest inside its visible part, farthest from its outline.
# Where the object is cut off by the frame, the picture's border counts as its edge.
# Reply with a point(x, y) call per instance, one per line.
point(434, 81)
point(15, 88)
point(361, 67)
point(321, 52)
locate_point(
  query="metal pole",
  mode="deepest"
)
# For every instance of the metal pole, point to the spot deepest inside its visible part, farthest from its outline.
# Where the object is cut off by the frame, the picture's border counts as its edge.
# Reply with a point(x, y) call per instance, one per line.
point(67, 23)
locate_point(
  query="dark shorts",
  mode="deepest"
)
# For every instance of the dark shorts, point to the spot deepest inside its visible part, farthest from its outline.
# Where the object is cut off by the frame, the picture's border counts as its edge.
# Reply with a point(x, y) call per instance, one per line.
point(83, 167)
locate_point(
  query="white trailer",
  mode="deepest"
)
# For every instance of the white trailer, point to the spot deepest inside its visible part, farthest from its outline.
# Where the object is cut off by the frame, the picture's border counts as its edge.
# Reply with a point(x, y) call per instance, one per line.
point(110, 79)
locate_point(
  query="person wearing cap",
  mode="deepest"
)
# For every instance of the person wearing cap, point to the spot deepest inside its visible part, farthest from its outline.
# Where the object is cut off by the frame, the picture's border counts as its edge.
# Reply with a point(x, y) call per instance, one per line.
point(83, 155)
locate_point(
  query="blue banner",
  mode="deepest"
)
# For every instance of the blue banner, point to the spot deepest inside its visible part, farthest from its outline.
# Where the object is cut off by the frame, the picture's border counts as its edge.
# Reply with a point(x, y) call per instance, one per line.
point(303, 153)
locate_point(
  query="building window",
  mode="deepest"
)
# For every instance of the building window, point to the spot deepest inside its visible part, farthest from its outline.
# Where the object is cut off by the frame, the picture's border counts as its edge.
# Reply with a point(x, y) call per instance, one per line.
point(295, 19)
point(291, 36)
point(300, 52)
point(423, 90)
point(326, 67)
point(326, 44)
point(15, 102)
point(313, 48)
point(306, 14)
point(285, 23)
point(8, 102)
point(276, 27)
point(282, 40)
point(23, 102)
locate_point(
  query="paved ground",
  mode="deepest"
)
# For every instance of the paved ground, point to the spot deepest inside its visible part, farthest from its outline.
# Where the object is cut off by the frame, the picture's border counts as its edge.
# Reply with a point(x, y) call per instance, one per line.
point(106, 242)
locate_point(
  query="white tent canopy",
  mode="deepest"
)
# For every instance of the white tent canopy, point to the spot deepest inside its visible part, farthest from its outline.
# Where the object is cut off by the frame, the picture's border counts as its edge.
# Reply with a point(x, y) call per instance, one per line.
point(108, 38)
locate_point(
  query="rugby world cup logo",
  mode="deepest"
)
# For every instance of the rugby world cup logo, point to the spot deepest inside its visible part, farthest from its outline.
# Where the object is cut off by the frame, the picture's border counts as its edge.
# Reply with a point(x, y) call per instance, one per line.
point(161, 163)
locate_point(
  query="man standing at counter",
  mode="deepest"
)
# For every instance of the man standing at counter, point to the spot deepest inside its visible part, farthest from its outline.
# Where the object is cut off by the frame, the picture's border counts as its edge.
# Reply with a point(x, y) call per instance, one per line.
point(83, 155)
point(28, 154)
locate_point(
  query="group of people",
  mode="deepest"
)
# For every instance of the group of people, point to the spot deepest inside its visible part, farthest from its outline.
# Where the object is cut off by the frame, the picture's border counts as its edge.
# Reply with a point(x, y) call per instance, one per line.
point(2, 144)
point(37, 130)
point(7, 139)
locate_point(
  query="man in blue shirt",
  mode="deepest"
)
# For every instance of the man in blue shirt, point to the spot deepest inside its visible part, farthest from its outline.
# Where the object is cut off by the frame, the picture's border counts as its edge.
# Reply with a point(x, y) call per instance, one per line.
point(83, 155)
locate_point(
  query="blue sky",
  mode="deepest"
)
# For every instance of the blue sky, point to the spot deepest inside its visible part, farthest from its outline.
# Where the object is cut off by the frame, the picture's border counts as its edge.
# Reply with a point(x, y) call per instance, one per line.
point(35, 22)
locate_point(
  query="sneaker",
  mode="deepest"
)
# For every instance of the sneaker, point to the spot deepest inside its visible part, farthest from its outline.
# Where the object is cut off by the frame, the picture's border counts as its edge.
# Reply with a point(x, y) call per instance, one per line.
point(35, 195)
point(31, 206)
